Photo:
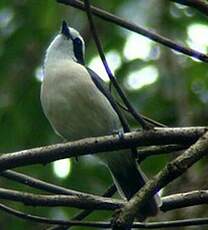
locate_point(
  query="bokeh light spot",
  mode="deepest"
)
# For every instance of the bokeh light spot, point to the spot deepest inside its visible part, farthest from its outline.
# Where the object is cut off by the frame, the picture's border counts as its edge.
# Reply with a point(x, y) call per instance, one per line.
point(62, 168)
point(140, 78)
point(114, 61)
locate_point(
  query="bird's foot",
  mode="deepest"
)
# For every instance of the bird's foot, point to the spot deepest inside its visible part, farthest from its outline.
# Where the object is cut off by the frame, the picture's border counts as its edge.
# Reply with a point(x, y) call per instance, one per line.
point(120, 134)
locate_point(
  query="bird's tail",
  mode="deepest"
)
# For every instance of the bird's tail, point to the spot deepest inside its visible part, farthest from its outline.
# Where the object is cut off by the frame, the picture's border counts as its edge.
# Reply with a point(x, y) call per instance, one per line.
point(129, 178)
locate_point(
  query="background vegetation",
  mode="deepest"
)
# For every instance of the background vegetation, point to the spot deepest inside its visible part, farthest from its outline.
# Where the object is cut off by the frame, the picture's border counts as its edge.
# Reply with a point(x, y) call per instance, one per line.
point(162, 84)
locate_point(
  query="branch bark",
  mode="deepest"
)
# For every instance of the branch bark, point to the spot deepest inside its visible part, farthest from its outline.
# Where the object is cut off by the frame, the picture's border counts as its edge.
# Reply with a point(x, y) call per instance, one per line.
point(82, 214)
point(86, 201)
point(145, 152)
point(135, 28)
point(89, 201)
point(38, 184)
point(158, 136)
point(182, 200)
point(172, 170)
point(170, 202)
point(52, 188)
point(102, 224)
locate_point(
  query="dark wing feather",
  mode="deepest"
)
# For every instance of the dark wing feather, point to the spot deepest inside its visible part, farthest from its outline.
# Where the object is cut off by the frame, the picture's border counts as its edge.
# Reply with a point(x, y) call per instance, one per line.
point(101, 85)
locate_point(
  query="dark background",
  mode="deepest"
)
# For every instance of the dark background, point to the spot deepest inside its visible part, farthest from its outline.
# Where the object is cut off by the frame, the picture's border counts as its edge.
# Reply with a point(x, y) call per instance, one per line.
point(177, 96)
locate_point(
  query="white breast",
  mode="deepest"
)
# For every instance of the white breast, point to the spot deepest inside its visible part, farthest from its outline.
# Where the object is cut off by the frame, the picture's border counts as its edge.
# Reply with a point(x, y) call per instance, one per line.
point(73, 104)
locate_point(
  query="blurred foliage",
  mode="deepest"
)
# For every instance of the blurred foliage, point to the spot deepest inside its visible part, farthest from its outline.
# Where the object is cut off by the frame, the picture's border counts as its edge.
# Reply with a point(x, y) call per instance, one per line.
point(178, 97)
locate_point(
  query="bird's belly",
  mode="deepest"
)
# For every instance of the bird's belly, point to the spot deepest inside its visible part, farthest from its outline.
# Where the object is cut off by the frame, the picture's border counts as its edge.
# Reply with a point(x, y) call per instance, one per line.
point(77, 109)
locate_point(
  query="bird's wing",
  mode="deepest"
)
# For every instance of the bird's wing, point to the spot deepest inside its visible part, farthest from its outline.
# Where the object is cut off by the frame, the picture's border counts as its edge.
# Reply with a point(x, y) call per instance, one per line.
point(156, 201)
point(103, 88)
point(101, 85)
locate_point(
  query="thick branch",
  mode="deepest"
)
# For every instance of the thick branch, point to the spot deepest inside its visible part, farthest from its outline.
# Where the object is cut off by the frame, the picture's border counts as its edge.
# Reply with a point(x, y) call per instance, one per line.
point(182, 200)
point(173, 170)
point(200, 5)
point(158, 136)
point(133, 27)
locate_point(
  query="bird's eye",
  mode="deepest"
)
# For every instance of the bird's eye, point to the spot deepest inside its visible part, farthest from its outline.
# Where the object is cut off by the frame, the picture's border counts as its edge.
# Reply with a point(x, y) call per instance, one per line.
point(78, 50)
point(77, 41)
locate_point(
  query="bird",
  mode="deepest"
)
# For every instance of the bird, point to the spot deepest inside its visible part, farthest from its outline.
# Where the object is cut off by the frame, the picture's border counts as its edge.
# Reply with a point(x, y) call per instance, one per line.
point(78, 104)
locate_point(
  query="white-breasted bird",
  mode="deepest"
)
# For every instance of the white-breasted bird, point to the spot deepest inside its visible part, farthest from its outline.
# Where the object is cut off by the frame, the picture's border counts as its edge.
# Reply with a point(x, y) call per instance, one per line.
point(78, 104)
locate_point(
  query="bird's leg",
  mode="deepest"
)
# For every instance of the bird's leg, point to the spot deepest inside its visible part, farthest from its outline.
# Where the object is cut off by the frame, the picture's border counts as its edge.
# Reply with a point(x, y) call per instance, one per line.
point(120, 133)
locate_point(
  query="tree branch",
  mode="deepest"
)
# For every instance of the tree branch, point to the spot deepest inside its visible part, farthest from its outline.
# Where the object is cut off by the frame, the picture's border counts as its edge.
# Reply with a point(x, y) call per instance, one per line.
point(137, 116)
point(172, 170)
point(133, 27)
point(38, 184)
point(145, 152)
point(42, 185)
point(81, 215)
point(182, 200)
point(158, 136)
point(169, 202)
point(89, 201)
point(85, 201)
point(200, 5)
point(99, 224)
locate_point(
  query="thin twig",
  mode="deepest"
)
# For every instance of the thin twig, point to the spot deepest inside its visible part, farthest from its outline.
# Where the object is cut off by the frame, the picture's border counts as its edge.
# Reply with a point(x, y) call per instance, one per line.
point(149, 120)
point(82, 214)
point(85, 201)
point(153, 122)
point(172, 170)
point(109, 193)
point(51, 188)
point(42, 185)
point(103, 224)
point(89, 201)
point(137, 116)
point(133, 27)
point(200, 5)
point(38, 184)
point(158, 136)
point(146, 152)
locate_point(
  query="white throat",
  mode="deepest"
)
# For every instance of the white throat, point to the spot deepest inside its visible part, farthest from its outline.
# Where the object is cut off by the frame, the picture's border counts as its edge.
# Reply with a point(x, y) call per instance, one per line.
point(60, 49)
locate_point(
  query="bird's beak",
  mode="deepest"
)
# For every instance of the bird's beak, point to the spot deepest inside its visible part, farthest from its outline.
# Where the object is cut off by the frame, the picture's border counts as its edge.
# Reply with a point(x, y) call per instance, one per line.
point(65, 30)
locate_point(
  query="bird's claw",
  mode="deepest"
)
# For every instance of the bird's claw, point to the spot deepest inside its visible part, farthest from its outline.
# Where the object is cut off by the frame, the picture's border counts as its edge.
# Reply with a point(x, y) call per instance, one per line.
point(120, 134)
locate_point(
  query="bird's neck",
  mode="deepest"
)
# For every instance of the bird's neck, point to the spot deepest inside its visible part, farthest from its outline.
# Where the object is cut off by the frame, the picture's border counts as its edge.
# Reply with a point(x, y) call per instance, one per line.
point(54, 56)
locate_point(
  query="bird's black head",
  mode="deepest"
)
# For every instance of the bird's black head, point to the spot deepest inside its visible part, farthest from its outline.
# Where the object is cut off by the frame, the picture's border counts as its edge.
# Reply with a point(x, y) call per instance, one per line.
point(77, 40)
